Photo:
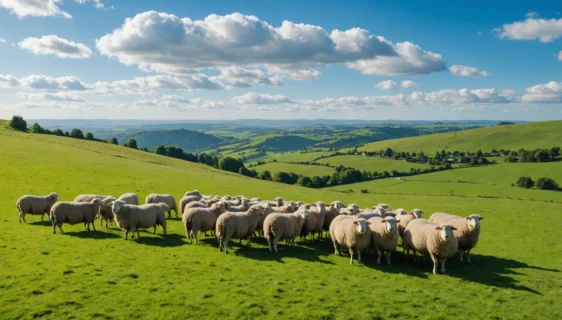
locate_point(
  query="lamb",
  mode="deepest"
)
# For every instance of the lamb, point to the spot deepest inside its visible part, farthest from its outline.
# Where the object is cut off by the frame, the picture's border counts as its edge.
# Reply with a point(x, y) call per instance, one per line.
point(29, 204)
point(129, 198)
point(315, 220)
point(201, 219)
point(467, 233)
point(74, 213)
point(105, 213)
point(131, 218)
point(372, 213)
point(167, 199)
point(427, 237)
point(286, 226)
point(384, 236)
point(351, 233)
point(237, 225)
point(331, 212)
point(187, 199)
point(400, 212)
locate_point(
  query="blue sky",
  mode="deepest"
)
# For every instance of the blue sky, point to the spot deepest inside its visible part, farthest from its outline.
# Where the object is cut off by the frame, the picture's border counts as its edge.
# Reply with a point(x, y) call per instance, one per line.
point(239, 59)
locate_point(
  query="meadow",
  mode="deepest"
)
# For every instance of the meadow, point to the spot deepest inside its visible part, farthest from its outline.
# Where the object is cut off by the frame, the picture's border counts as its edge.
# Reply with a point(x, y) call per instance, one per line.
point(300, 169)
point(515, 273)
point(372, 163)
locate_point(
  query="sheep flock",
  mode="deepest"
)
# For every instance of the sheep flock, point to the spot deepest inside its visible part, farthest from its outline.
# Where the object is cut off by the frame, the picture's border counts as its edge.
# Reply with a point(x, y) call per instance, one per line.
point(378, 230)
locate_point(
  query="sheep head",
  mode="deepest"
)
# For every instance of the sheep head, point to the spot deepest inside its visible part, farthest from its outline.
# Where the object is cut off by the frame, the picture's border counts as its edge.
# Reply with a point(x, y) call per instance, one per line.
point(361, 225)
point(446, 232)
point(117, 206)
point(474, 221)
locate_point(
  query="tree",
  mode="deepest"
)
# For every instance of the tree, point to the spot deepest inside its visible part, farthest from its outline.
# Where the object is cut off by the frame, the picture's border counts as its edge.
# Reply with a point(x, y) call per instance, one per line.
point(388, 153)
point(230, 164)
point(58, 132)
point(546, 184)
point(554, 151)
point(305, 182)
point(132, 143)
point(36, 128)
point(447, 166)
point(77, 134)
point(541, 155)
point(282, 177)
point(479, 153)
point(525, 182)
point(295, 177)
point(89, 136)
point(161, 150)
point(318, 182)
point(474, 161)
point(113, 141)
point(484, 161)
point(265, 175)
point(18, 123)
point(66, 134)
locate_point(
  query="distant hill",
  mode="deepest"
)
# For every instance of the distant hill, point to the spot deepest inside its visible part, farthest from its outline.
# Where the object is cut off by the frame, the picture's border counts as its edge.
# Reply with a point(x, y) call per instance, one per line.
point(188, 140)
point(544, 134)
point(287, 143)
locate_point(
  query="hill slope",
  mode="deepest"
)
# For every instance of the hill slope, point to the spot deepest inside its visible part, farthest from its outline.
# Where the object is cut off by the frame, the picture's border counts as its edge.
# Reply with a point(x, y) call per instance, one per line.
point(99, 275)
point(188, 140)
point(511, 137)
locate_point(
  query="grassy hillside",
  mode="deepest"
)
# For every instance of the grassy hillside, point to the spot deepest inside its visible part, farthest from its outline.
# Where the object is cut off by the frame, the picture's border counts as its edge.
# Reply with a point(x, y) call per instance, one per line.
point(372, 163)
point(512, 137)
point(188, 140)
point(99, 275)
point(302, 169)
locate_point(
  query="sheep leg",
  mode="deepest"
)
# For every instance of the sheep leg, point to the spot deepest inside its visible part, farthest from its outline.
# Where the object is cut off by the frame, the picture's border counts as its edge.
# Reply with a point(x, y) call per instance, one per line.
point(195, 235)
point(54, 228)
point(220, 244)
point(126, 233)
point(60, 227)
point(138, 234)
point(93, 226)
point(359, 256)
point(337, 251)
point(249, 243)
point(154, 230)
point(435, 262)
point(379, 254)
point(22, 216)
point(468, 255)
point(351, 255)
point(275, 240)
point(240, 241)
point(443, 265)
point(101, 222)
point(269, 244)
point(42, 216)
point(462, 254)
point(388, 257)
point(225, 244)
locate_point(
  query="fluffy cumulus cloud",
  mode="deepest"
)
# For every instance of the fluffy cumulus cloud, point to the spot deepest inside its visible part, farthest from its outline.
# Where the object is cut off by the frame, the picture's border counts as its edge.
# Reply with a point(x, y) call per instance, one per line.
point(41, 82)
point(409, 84)
point(256, 98)
point(34, 8)
point(550, 92)
point(57, 96)
point(387, 85)
point(532, 28)
point(144, 85)
point(57, 46)
point(466, 71)
point(166, 43)
point(463, 96)
point(9, 81)
point(240, 77)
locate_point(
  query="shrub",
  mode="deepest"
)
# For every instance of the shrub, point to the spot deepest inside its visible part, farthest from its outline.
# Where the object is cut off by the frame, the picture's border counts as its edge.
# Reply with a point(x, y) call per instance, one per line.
point(89, 136)
point(265, 175)
point(230, 164)
point(132, 143)
point(18, 123)
point(36, 128)
point(76, 133)
point(113, 141)
point(364, 191)
point(546, 184)
point(525, 182)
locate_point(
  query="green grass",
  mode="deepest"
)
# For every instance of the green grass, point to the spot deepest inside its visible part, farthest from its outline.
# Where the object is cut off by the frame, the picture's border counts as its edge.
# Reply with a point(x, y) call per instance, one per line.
point(510, 137)
point(87, 275)
point(372, 163)
point(302, 169)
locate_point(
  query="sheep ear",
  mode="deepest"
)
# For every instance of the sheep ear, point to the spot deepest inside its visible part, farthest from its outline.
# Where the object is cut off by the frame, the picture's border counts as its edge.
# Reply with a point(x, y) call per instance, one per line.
point(356, 222)
point(481, 218)
point(453, 228)
point(368, 223)
point(437, 228)
point(383, 221)
point(468, 218)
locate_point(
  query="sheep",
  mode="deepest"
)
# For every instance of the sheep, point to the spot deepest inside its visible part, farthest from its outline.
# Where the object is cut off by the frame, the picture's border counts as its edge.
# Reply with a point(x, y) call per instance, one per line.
point(467, 233)
point(237, 225)
point(279, 201)
point(286, 226)
point(193, 193)
point(315, 220)
point(195, 204)
point(331, 212)
point(351, 233)
point(371, 213)
point(427, 237)
point(384, 206)
point(404, 220)
point(352, 209)
point(131, 218)
point(187, 199)
point(400, 212)
point(289, 207)
point(241, 207)
point(129, 198)
point(201, 219)
point(211, 201)
point(88, 197)
point(74, 213)
point(105, 213)
point(384, 236)
point(167, 199)
point(29, 204)
point(255, 199)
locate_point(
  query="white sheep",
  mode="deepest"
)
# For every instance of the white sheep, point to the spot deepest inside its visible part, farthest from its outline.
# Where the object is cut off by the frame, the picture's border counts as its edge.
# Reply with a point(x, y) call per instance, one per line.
point(74, 213)
point(351, 233)
point(426, 237)
point(202, 219)
point(88, 197)
point(131, 218)
point(331, 212)
point(384, 236)
point(315, 221)
point(242, 206)
point(352, 209)
point(106, 212)
point(237, 225)
point(187, 199)
point(29, 204)
point(286, 226)
point(129, 198)
point(193, 193)
point(167, 199)
point(195, 204)
point(467, 230)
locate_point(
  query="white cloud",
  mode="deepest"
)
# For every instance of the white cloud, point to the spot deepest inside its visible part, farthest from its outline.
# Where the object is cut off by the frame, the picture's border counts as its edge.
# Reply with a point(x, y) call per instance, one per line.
point(550, 92)
point(34, 8)
point(2, 40)
point(240, 77)
point(167, 43)
point(559, 56)
point(409, 84)
point(295, 74)
point(350, 103)
point(411, 60)
point(532, 29)
point(387, 85)
point(9, 81)
point(479, 33)
point(256, 98)
point(58, 96)
point(466, 71)
point(532, 15)
point(97, 3)
point(144, 85)
point(463, 96)
point(50, 83)
point(55, 45)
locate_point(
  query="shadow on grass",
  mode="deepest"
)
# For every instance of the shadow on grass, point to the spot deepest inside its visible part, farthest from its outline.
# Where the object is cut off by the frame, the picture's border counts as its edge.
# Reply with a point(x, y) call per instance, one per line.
point(301, 252)
point(92, 235)
point(168, 240)
point(45, 223)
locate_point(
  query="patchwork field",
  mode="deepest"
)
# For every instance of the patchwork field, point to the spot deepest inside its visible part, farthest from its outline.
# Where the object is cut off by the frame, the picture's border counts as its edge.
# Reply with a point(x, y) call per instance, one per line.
point(515, 273)
point(372, 163)
point(301, 169)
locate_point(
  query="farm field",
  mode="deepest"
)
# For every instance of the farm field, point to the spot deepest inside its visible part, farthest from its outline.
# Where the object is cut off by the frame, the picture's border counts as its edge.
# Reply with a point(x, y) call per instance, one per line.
point(300, 169)
point(372, 163)
point(544, 134)
point(99, 275)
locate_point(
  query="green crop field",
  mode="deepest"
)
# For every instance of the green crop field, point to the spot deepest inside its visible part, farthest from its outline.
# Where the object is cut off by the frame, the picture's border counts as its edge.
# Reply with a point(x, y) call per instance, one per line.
point(510, 137)
point(372, 163)
point(515, 273)
point(301, 169)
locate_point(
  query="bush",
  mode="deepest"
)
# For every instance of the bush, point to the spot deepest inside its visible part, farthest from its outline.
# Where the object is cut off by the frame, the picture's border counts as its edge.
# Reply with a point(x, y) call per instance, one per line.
point(546, 184)
point(132, 143)
point(18, 123)
point(36, 128)
point(525, 182)
point(364, 191)
point(230, 164)
point(113, 141)
point(76, 133)
point(89, 136)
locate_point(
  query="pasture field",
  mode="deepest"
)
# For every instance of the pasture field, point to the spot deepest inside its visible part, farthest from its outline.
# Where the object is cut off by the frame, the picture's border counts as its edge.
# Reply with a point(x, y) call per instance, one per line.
point(544, 134)
point(515, 273)
point(301, 169)
point(372, 163)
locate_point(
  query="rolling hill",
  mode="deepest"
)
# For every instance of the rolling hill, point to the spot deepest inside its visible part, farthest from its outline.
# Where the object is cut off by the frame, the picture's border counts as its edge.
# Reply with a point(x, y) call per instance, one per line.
point(188, 140)
point(300, 169)
point(372, 163)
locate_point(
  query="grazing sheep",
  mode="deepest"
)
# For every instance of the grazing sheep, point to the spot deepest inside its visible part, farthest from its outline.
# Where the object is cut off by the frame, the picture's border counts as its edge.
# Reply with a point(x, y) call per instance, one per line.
point(351, 233)
point(29, 204)
point(187, 199)
point(195, 204)
point(331, 212)
point(131, 218)
point(427, 237)
point(237, 225)
point(384, 236)
point(167, 199)
point(286, 226)
point(467, 233)
point(74, 213)
point(202, 219)
point(129, 198)
point(315, 221)
point(106, 213)
point(209, 202)
point(289, 207)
